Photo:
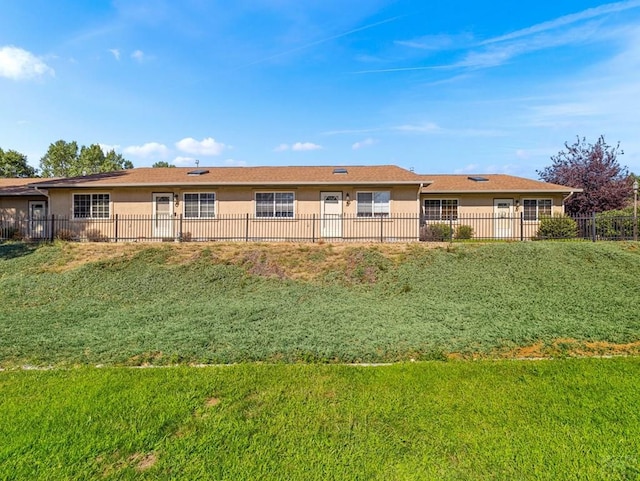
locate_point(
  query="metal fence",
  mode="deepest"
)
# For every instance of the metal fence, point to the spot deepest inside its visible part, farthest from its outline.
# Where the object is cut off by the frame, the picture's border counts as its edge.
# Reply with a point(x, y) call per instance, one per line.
point(314, 228)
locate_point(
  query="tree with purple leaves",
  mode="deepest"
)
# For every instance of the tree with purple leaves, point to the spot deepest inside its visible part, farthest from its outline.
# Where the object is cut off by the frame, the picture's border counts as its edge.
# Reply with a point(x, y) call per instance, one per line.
point(595, 169)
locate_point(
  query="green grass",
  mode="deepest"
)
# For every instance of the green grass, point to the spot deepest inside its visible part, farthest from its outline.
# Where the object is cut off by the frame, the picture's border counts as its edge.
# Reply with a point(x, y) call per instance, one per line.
point(371, 304)
point(503, 420)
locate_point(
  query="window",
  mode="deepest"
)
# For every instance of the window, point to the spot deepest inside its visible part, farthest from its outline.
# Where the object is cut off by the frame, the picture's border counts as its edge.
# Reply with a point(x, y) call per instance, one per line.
point(274, 204)
point(533, 209)
point(91, 206)
point(201, 205)
point(373, 204)
point(441, 209)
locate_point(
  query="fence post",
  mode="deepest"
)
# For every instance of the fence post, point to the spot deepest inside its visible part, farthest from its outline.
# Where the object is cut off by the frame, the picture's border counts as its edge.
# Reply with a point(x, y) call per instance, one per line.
point(313, 228)
point(246, 231)
point(53, 223)
point(116, 227)
point(593, 226)
point(450, 228)
point(381, 229)
point(181, 232)
point(521, 225)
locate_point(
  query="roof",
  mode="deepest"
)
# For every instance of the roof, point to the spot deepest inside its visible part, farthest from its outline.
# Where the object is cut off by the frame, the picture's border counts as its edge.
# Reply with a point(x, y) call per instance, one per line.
point(17, 187)
point(498, 183)
point(241, 176)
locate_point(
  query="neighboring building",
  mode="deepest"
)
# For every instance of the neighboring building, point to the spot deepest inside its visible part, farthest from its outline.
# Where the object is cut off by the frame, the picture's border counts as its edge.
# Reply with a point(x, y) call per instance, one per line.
point(519, 202)
point(270, 203)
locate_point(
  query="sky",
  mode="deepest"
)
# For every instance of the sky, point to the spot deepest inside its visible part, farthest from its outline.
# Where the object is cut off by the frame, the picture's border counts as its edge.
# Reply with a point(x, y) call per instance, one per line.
point(456, 86)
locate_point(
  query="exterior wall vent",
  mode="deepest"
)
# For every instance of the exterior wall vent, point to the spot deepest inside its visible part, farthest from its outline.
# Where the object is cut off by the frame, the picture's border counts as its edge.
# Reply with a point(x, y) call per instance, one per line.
point(198, 172)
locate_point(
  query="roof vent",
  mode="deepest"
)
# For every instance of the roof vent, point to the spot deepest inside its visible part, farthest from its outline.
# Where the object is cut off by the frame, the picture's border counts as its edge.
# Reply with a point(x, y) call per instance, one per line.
point(478, 179)
point(340, 170)
point(198, 172)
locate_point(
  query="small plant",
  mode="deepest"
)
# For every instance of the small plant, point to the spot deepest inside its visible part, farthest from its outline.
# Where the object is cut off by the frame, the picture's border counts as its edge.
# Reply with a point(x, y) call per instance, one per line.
point(557, 227)
point(11, 233)
point(95, 235)
point(65, 235)
point(435, 232)
point(463, 232)
point(185, 237)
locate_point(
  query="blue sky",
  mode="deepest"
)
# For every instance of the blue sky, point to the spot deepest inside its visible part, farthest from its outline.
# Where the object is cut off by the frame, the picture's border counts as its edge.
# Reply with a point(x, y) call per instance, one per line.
point(442, 87)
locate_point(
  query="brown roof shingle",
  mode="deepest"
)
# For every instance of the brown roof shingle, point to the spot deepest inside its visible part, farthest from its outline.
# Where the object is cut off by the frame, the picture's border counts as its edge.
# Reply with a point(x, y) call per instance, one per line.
point(383, 174)
point(444, 183)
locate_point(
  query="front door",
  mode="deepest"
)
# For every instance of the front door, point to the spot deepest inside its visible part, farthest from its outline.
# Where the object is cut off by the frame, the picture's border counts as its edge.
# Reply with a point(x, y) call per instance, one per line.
point(503, 218)
point(163, 215)
point(37, 219)
point(331, 223)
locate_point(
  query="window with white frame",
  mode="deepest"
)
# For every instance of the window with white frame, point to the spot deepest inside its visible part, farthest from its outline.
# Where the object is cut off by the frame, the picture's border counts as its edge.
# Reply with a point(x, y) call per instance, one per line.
point(199, 205)
point(274, 204)
point(373, 204)
point(441, 209)
point(91, 206)
point(533, 209)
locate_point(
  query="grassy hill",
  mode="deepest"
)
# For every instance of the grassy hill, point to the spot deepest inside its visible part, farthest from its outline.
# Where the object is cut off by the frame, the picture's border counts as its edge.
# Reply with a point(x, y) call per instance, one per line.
point(222, 303)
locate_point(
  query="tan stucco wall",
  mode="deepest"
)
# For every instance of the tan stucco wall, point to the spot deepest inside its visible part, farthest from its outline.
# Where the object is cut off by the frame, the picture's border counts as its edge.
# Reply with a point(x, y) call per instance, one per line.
point(470, 204)
point(17, 206)
point(237, 202)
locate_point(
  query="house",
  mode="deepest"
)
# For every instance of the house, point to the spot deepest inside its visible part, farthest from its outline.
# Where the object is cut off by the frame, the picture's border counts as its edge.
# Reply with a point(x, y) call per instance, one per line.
point(294, 203)
point(22, 209)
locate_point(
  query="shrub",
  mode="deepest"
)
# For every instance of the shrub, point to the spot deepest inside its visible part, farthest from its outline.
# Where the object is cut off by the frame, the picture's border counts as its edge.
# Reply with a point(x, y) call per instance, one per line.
point(435, 232)
point(463, 232)
point(557, 227)
point(65, 235)
point(185, 237)
point(615, 224)
point(94, 235)
point(11, 233)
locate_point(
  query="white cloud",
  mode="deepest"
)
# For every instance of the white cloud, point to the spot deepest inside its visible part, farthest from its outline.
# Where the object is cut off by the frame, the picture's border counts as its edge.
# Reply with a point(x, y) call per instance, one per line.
point(567, 20)
point(106, 148)
point(184, 161)
point(298, 147)
point(305, 146)
point(235, 163)
point(150, 149)
point(115, 52)
point(364, 143)
point(422, 128)
point(138, 55)
point(281, 148)
point(207, 146)
point(19, 64)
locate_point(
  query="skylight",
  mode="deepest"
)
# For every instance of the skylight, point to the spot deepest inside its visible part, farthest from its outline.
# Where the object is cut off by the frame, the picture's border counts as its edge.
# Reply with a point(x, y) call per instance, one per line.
point(198, 172)
point(340, 170)
point(476, 178)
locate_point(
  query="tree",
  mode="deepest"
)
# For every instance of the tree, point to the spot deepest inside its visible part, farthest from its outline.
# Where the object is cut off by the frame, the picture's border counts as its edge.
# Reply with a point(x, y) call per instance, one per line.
point(14, 164)
point(593, 168)
point(64, 159)
point(162, 163)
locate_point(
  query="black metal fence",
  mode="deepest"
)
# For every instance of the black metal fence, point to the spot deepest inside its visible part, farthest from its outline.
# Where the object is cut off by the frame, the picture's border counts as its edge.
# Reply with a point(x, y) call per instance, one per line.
point(314, 228)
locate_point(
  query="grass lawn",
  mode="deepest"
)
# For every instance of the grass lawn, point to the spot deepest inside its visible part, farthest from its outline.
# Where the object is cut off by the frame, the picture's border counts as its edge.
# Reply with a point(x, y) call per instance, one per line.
point(221, 303)
point(458, 420)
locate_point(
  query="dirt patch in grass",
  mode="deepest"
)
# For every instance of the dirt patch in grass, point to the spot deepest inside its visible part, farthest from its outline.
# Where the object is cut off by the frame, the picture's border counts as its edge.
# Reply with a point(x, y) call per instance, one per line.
point(211, 402)
point(143, 462)
point(299, 261)
point(572, 348)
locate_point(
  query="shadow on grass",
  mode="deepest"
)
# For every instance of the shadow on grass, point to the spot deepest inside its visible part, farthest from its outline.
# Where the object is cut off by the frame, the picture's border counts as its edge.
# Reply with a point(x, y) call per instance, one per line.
point(11, 250)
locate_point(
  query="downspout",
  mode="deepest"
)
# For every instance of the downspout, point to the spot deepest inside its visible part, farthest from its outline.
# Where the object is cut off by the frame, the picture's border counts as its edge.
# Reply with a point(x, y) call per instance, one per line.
point(566, 199)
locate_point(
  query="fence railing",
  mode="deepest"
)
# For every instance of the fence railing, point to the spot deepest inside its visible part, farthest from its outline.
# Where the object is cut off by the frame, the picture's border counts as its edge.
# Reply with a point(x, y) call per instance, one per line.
point(312, 228)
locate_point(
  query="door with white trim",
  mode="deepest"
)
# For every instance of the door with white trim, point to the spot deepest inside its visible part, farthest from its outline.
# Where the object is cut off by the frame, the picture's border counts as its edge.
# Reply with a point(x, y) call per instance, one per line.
point(503, 218)
point(37, 219)
point(163, 215)
point(331, 214)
